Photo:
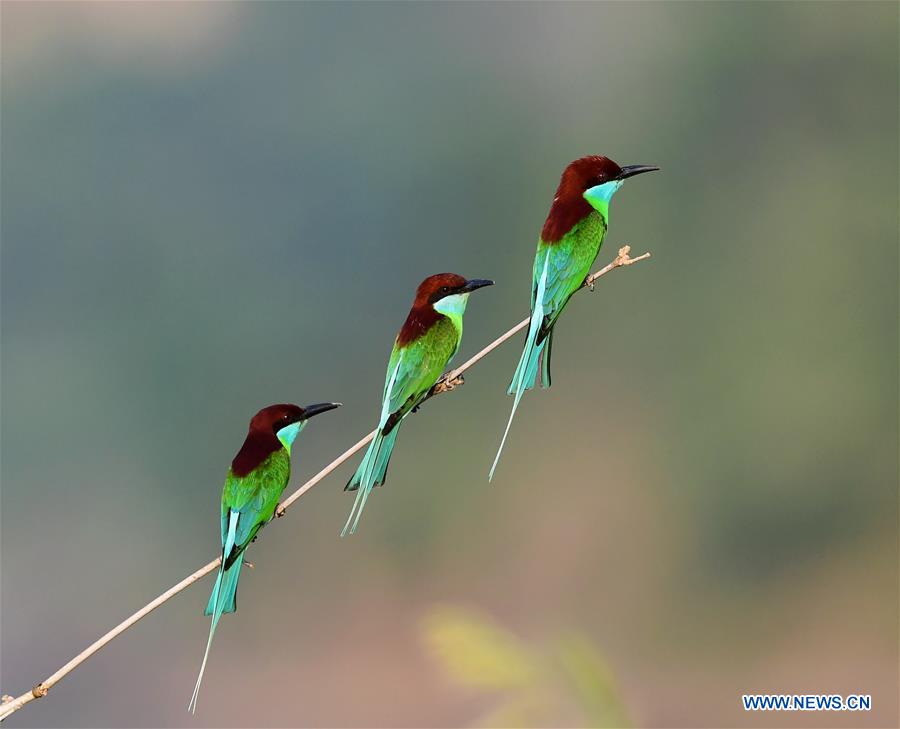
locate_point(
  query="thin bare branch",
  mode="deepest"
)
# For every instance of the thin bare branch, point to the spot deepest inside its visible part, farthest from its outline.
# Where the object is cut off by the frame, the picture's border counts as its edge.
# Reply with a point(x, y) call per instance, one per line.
point(453, 378)
point(450, 381)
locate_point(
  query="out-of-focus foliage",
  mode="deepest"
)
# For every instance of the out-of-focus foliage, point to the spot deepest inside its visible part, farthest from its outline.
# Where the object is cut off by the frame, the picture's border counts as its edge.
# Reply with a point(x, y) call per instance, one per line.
point(592, 681)
point(536, 685)
point(209, 207)
point(477, 652)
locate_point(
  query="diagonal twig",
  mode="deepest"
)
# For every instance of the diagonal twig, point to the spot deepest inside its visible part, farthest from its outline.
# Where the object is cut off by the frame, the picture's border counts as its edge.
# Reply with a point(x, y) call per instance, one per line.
point(449, 381)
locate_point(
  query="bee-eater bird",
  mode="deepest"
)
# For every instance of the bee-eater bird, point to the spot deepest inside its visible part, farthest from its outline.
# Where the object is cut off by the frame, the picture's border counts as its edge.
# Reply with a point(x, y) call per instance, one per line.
point(253, 486)
point(424, 346)
point(570, 241)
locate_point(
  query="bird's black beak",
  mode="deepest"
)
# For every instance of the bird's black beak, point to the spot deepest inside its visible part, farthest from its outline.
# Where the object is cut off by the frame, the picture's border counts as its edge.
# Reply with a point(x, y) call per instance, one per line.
point(632, 170)
point(322, 407)
point(475, 283)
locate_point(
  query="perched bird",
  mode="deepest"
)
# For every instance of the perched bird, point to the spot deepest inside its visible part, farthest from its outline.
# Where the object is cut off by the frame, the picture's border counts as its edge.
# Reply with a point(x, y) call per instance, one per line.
point(425, 344)
point(253, 486)
point(569, 243)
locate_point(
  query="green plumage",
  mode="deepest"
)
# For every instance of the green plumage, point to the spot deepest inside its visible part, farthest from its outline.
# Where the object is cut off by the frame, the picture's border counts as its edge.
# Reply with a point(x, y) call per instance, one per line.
point(412, 371)
point(567, 263)
point(559, 270)
point(254, 497)
point(418, 366)
point(248, 502)
point(569, 242)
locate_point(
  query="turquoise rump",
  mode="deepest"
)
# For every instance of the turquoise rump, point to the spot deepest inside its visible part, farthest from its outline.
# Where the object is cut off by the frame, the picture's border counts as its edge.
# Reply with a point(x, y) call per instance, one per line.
point(258, 476)
point(568, 245)
point(427, 341)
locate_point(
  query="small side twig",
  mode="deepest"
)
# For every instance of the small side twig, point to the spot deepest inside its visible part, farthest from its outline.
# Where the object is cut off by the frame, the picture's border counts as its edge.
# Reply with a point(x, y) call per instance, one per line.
point(449, 381)
point(453, 378)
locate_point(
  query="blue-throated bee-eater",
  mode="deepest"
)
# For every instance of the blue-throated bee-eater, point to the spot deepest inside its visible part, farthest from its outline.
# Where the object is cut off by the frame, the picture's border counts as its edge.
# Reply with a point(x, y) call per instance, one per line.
point(424, 346)
point(570, 241)
point(258, 475)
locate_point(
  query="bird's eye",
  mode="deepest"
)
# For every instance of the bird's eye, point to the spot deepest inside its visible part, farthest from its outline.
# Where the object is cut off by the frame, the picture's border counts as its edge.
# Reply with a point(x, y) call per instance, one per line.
point(444, 289)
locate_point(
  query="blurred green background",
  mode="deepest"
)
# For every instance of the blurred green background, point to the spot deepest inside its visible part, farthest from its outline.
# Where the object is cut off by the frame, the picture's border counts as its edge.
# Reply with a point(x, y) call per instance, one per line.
point(202, 201)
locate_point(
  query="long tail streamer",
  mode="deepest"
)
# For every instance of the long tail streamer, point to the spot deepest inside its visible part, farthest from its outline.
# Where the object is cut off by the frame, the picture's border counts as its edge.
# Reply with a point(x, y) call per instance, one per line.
point(522, 379)
point(371, 473)
point(221, 601)
point(530, 361)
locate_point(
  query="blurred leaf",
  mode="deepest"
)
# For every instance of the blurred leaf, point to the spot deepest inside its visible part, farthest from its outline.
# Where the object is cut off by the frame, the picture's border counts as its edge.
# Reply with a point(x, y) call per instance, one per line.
point(475, 652)
point(593, 682)
point(574, 684)
point(525, 709)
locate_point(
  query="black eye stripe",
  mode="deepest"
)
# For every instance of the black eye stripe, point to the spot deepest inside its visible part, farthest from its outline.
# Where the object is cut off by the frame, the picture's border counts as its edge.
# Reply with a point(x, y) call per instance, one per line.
point(282, 422)
point(441, 293)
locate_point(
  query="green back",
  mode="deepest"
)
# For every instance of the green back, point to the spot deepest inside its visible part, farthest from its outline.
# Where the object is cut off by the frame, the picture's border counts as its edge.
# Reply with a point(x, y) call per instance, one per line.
point(413, 369)
point(567, 263)
point(255, 496)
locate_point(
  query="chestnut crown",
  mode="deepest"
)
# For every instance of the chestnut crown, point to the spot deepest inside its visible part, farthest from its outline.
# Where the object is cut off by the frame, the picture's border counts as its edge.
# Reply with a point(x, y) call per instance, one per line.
point(436, 287)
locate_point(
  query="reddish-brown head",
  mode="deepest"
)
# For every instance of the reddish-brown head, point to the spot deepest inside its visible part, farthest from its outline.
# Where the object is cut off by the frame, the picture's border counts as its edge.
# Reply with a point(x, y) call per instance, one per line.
point(434, 288)
point(262, 437)
point(438, 286)
point(275, 417)
point(569, 204)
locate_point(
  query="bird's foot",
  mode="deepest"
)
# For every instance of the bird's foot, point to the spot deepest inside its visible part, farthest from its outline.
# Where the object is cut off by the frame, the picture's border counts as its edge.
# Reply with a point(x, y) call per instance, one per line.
point(447, 383)
point(589, 282)
point(279, 511)
point(247, 564)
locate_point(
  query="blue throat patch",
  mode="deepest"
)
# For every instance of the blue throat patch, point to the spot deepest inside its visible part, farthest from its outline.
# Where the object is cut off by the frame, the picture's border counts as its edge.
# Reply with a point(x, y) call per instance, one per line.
point(289, 432)
point(453, 306)
point(600, 195)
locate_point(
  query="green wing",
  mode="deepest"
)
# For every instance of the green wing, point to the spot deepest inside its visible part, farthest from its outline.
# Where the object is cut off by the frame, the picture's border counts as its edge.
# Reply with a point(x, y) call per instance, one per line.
point(254, 498)
point(566, 264)
point(413, 370)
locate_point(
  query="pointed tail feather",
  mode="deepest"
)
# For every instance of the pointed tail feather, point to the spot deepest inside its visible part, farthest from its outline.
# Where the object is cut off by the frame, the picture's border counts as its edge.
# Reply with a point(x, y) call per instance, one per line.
point(546, 348)
point(221, 601)
point(525, 376)
point(371, 473)
point(227, 586)
point(534, 366)
point(359, 475)
point(532, 363)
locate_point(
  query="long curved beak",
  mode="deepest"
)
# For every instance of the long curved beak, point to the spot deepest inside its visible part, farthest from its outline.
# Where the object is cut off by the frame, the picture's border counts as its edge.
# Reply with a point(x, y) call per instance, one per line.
point(322, 407)
point(475, 283)
point(632, 170)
